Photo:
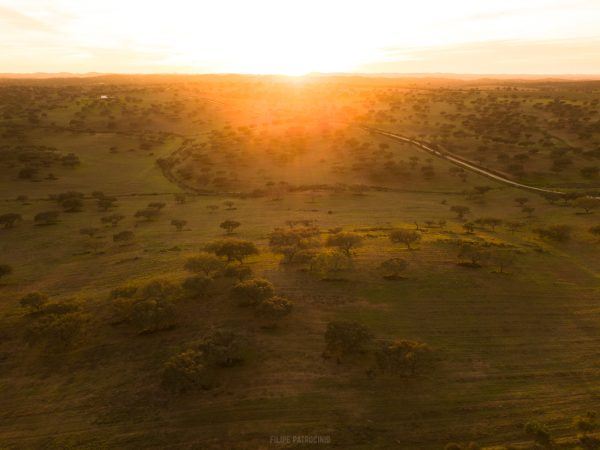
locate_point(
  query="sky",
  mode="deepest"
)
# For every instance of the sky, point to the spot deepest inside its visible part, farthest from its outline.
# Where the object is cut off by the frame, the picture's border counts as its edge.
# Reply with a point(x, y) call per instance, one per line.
point(297, 37)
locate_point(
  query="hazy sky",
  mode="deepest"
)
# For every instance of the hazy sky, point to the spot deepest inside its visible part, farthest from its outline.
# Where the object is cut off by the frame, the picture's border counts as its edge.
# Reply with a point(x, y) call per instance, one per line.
point(294, 37)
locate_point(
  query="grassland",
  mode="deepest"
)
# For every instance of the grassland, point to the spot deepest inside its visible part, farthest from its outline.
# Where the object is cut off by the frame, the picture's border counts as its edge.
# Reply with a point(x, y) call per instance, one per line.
point(509, 347)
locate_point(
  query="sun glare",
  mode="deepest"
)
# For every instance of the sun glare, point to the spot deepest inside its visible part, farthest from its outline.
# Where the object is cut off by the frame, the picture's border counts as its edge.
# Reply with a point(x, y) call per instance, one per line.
point(297, 37)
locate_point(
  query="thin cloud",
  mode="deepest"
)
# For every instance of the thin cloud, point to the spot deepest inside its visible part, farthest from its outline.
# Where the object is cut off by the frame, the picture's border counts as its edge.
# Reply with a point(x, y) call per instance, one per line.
point(23, 22)
point(558, 56)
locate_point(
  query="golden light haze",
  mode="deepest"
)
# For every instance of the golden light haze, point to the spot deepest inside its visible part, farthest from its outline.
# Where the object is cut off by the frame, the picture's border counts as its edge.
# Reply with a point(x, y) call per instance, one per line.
point(297, 37)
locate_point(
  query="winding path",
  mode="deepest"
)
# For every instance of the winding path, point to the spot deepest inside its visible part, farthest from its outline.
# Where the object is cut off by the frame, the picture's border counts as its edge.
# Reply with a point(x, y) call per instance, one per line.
point(457, 160)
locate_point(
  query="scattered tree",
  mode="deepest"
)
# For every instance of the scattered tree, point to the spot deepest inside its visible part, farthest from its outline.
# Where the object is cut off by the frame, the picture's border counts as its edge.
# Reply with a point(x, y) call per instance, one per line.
point(330, 264)
point(34, 301)
point(112, 219)
point(252, 292)
point(393, 267)
point(123, 236)
point(46, 218)
point(89, 231)
point(558, 233)
point(147, 214)
point(232, 249)
point(274, 308)
point(344, 338)
point(204, 263)
point(345, 241)
point(230, 225)
point(178, 224)
point(198, 286)
point(587, 203)
point(224, 348)
point(460, 211)
point(9, 220)
point(474, 254)
point(186, 372)
point(180, 198)
point(539, 433)
point(403, 358)
point(521, 201)
point(406, 237)
point(5, 269)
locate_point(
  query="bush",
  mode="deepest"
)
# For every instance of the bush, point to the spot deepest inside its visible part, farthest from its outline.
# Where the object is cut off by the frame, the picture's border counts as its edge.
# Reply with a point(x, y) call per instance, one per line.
point(147, 214)
point(587, 423)
point(33, 301)
point(344, 338)
point(5, 269)
point(56, 331)
point(123, 236)
point(72, 204)
point(112, 219)
point(186, 372)
point(393, 267)
point(558, 233)
point(123, 292)
point(179, 224)
point(153, 314)
point(46, 218)
point(198, 286)
point(275, 308)
point(252, 292)
point(539, 433)
point(224, 348)
point(9, 220)
point(460, 211)
point(404, 358)
point(58, 308)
